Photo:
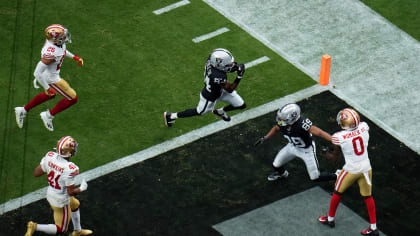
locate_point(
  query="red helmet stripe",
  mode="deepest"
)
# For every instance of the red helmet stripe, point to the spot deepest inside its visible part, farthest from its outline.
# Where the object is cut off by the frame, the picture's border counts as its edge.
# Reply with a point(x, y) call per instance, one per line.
point(55, 26)
point(353, 115)
point(61, 143)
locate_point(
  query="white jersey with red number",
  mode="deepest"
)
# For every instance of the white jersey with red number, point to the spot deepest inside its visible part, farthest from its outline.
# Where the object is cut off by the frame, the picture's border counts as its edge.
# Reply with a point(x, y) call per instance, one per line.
point(57, 53)
point(60, 173)
point(354, 145)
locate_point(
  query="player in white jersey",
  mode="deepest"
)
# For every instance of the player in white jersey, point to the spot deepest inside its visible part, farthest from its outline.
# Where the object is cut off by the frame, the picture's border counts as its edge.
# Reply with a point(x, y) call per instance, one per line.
point(47, 74)
point(352, 141)
point(61, 190)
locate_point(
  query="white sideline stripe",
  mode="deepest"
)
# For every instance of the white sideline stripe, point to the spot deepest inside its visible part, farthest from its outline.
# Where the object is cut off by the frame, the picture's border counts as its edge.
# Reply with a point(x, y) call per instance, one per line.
point(169, 145)
point(256, 62)
point(397, 131)
point(171, 7)
point(266, 42)
point(210, 35)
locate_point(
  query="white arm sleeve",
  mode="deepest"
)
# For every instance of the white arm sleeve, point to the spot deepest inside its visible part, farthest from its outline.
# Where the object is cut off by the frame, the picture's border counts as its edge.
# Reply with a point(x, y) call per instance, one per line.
point(40, 68)
point(69, 54)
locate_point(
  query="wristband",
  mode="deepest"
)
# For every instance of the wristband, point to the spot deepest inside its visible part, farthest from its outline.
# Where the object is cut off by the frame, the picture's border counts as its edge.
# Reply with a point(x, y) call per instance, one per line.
point(238, 79)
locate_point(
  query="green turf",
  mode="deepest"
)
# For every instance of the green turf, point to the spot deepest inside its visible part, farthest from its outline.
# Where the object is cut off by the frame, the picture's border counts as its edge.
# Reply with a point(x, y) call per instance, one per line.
point(405, 14)
point(137, 65)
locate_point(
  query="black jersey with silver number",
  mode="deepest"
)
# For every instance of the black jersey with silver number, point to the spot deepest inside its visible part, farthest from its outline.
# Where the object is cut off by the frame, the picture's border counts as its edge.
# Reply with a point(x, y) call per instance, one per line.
point(298, 133)
point(214, 80)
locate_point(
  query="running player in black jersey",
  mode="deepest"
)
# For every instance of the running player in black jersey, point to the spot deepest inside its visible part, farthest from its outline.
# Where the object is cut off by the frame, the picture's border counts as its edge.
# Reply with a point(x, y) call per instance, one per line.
point(216, 88)
point(298, 130)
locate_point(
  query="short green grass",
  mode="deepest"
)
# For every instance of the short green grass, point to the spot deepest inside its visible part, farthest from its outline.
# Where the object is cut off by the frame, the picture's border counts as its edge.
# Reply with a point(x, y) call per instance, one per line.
point(137, 65)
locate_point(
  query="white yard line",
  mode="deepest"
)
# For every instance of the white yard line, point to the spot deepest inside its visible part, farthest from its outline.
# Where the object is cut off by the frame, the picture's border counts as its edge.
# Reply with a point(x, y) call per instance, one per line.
point(256, 62)
point(171, 7)
point(374, 63)
point(210, 35)
point(169, 145)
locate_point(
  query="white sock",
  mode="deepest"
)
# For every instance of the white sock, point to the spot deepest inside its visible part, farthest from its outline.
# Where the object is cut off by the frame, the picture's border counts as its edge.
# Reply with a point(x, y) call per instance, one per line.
point(75, 218)
point(174, 115)
point(48, 229)
point(330, 218)
point(373, 226)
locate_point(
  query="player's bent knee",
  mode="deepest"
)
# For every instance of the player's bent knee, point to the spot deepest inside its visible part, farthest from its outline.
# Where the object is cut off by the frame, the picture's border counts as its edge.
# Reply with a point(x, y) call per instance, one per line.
point(74, 100)
point(74, 204)
point(60, 230)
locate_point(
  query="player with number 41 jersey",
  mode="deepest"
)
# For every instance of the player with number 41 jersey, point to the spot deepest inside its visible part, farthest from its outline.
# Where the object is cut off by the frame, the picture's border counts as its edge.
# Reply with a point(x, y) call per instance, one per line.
point(61, 173)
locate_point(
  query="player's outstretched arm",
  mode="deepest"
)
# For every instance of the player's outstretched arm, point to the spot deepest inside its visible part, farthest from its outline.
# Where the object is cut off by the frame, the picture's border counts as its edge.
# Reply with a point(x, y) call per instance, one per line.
point(75, 57)
point(320, 133)
point(270, 134)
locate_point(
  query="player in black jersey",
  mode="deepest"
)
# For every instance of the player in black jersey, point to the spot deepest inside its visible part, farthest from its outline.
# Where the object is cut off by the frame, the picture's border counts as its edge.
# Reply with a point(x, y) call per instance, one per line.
point(216, 88)
point(298, 130)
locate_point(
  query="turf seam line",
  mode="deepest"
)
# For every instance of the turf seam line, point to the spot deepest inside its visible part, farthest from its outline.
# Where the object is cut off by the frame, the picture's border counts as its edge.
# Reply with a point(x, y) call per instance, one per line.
point(171, 7)
point(9, 103)
point(210, 35)
point(170, 145)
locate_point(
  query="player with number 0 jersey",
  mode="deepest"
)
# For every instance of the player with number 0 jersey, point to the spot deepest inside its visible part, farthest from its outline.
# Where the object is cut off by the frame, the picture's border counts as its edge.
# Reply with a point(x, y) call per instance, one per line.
point(352, 142)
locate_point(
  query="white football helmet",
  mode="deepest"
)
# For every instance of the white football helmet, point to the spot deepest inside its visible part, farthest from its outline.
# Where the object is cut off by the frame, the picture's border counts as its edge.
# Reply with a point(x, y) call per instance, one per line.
point(57, 34)
point(67, 146)
point(288, 114)
point(222, 59)
point(348, 119)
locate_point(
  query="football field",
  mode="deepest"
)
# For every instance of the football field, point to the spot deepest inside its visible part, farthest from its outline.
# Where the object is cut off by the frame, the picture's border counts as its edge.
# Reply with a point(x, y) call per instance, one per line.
point(142, 59)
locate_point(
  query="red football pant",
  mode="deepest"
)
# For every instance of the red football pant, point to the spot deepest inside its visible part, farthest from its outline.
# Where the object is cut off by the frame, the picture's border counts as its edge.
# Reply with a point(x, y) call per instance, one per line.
point(38, 99)
point(62, 105)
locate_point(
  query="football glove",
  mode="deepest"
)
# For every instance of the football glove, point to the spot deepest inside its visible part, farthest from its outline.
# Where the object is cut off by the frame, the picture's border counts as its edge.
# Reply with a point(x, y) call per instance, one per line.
point(260, 141)
point(79, 60)
point(83, 185)
point(241, 70)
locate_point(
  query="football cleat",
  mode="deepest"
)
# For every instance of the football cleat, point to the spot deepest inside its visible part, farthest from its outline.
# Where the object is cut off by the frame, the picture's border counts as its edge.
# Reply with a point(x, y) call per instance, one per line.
point(276, 175)
point(20, 116)
point(369, 231)
point(222, 114)
point(47, 119)
point(82, 232)
point(31, 228)
point(168, 120)
point(324, 220)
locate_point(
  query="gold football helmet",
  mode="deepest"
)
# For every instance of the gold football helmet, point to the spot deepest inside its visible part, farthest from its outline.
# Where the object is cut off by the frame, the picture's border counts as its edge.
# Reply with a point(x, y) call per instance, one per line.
point(67, 146)
point(58, 34)
point(348, 119)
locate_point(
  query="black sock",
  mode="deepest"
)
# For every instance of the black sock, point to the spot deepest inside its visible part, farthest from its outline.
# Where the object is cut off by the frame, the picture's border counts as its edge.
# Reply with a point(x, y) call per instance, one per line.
point(187, 113)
